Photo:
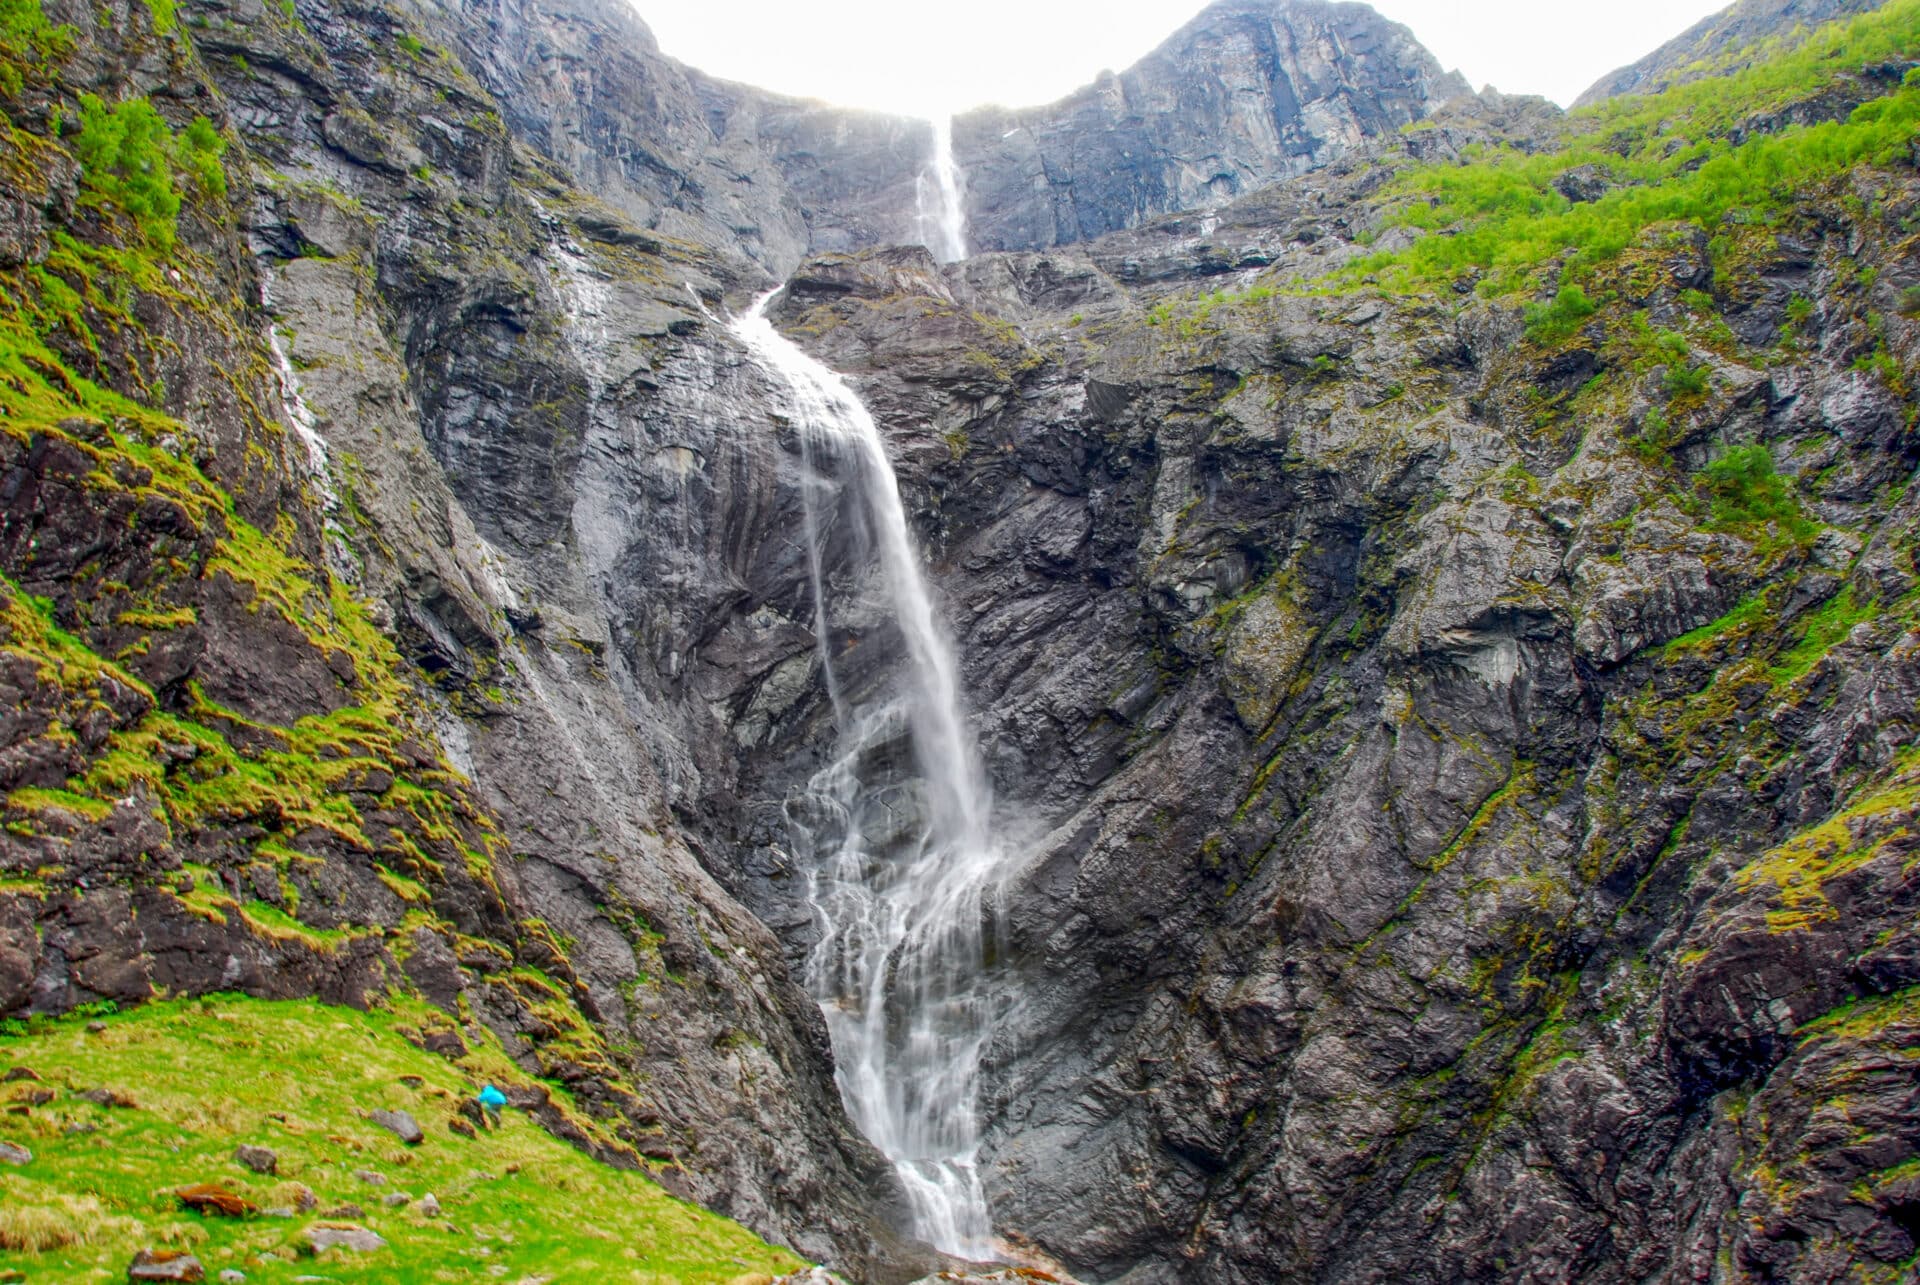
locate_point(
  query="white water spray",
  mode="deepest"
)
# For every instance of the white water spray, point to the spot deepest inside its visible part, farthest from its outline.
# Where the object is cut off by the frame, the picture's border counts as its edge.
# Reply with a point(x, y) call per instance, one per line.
point(904, 871)
point(940, 216)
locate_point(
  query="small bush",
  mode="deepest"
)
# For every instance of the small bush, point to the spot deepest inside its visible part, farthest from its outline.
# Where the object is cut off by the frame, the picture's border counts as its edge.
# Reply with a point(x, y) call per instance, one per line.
point(199, 153)
point(1909, 303)
point(1742, 489)
point(1549, 323)
point(1686, 381)
point(128, 155)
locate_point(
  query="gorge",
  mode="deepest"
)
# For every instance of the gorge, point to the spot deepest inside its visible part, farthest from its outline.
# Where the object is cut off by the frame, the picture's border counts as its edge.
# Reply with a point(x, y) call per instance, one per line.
point(1277, 671)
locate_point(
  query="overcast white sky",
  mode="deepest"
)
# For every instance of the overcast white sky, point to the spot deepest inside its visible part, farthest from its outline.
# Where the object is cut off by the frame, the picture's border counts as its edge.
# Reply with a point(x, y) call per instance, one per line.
point(898, 55)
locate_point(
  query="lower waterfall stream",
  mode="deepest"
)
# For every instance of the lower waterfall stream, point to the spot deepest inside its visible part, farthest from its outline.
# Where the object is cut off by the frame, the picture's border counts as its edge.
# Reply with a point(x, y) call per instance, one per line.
point(902, 873)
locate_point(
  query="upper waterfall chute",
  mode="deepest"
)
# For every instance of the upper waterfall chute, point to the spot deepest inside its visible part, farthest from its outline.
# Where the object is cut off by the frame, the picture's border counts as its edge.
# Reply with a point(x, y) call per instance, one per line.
point(940, 216)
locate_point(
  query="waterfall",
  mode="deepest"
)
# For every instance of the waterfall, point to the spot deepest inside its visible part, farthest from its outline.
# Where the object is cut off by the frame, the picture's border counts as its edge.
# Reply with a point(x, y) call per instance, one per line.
point(902, 864)
point(940, 218)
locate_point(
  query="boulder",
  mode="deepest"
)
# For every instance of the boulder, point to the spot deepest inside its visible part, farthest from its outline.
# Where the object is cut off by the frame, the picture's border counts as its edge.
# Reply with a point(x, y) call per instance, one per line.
point(212, 1199)
point(259, 1159)
point(402, 1125)
point(341, 1235)
point(165, 1265)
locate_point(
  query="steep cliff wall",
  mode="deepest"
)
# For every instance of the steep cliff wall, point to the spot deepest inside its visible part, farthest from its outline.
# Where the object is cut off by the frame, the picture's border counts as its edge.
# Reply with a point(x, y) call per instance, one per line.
point(1464, 754)
point(1249, 92)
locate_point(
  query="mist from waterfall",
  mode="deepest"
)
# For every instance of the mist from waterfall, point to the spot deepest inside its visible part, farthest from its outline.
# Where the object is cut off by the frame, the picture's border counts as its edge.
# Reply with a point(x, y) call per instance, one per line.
point(940, 217)
point(895, 833)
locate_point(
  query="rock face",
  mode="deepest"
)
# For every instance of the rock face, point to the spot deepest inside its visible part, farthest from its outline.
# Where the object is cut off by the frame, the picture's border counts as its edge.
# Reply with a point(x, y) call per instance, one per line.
point(1248, 92)
point(1421, 879)
point(1718, 44)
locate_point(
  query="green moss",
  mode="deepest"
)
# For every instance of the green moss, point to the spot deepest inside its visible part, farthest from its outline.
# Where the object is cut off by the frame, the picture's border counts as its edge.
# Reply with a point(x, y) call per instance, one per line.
point(1751, 612)
point(1864, 1019)
point(300, 1077)
point(1821, 629)
point(1876, 819)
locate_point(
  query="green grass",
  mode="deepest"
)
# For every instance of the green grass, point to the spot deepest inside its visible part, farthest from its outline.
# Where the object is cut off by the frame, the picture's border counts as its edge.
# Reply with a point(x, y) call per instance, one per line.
point(206, 1078)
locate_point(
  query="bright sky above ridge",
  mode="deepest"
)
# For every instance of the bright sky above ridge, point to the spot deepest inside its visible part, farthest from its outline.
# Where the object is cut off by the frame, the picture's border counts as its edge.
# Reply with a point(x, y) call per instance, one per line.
point(895, 55)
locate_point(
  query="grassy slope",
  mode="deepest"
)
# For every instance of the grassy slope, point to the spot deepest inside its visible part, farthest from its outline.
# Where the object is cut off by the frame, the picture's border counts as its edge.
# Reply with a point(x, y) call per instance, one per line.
point(1672, 156)
point(206, 1075)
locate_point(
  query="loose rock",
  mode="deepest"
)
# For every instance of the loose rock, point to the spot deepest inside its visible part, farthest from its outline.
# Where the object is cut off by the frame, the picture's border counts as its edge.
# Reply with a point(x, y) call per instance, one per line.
point(396, 1199)
point(229, 1276)
point(324, 1236)
point(428, 1206)
point(211, 1198)
point(165, 1265)
point(258, 1159)
point(371, 1178)
point(402, 1124)
point(14, 1155)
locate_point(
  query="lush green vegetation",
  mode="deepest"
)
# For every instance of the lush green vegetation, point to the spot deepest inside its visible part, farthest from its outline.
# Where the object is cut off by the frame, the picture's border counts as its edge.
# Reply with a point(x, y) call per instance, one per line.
point(299, 1078)
point(128, 155)
point(1549, 323)
point(1744, 491)
point(1669, 157)
point(24, 27)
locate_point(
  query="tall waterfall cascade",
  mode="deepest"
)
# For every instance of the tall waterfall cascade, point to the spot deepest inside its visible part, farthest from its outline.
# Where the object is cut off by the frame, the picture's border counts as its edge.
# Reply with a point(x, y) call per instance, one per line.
point(903, 866)
point(940, 217)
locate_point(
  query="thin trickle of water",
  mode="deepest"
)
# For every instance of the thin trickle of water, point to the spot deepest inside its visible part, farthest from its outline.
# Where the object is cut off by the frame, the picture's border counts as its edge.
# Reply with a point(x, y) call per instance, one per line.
point(904, 868)
point(939, 206)
point(588, 300)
